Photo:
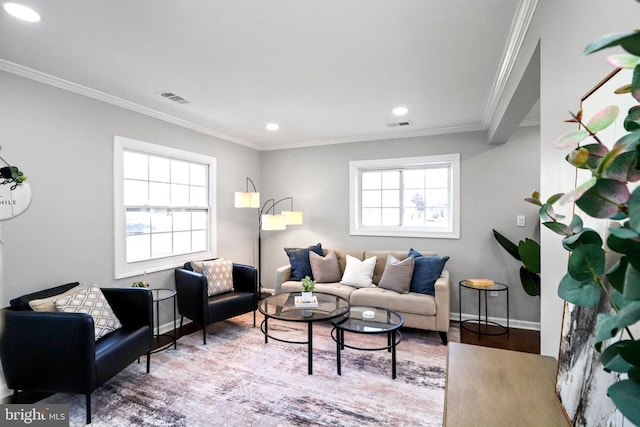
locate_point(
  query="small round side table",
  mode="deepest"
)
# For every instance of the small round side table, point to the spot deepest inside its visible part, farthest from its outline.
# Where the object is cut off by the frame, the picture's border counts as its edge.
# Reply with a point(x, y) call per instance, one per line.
point(483, 325)
point(158, 296)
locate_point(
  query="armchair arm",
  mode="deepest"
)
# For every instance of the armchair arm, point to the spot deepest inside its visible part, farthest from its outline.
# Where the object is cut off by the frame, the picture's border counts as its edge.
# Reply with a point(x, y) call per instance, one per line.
point(283, 274)
point(132, 306)
point(191, 289)
point(443, 305)
point(245, 278)
point(48, 351)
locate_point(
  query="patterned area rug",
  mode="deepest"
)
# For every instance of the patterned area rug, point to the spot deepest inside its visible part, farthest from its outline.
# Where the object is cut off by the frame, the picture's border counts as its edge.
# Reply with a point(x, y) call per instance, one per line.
point(238, 380)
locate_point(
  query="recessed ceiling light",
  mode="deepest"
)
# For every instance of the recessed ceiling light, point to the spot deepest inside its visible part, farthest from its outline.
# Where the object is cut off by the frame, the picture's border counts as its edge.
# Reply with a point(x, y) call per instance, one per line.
point(273, 126)
point(400, 111)
point(22, 12)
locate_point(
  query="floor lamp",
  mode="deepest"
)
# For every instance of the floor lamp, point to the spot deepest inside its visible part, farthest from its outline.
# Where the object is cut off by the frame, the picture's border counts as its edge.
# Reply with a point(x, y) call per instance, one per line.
point(267, 218)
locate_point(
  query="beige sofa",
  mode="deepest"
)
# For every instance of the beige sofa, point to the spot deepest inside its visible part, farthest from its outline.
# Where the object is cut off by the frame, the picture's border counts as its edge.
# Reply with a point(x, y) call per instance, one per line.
point(419, 311)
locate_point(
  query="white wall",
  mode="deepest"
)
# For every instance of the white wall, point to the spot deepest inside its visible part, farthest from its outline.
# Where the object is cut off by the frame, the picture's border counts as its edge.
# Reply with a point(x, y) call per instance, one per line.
point(64, 144)
point(495, 180)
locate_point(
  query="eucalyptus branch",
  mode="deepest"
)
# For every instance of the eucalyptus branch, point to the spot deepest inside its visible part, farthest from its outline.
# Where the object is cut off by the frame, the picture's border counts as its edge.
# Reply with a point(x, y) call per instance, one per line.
point(591, 134)
point(615, 307)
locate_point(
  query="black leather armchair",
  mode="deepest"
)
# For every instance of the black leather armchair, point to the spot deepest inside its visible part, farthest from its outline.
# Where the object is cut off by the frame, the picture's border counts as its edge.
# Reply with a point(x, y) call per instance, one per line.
point(57, 352)
point(193, 302)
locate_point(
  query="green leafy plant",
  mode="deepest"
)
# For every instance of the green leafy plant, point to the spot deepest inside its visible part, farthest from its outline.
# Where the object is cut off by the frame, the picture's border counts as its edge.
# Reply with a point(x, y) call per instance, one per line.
point(527, 251)
point(308, 284)
point(608, 193)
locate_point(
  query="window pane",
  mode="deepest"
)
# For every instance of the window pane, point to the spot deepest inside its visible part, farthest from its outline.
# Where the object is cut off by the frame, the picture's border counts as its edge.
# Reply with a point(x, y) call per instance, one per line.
point(159, 169)
point(135, 165)
point(199, 220)
point(161, 245)
point(371, 180)
point(198, 196)
point(391, 217)
point(391, 179)
point(137, 221)
point(413, 178)
point(199, 241)
point(437, 215)
point(371, 216)
point(371, 198)
point(437, 198)
point(138, 247)
point(136, 193)
point(181, 221)
point(159, 194)
point(391, 198)
point(182, 242)
point(198, 175)
point(179, 195)
point(437, 178)
point(161, 221)
point(179, 172)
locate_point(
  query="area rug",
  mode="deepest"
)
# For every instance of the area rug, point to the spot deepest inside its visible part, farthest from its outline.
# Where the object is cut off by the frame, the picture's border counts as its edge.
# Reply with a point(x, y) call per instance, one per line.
point(238, 380)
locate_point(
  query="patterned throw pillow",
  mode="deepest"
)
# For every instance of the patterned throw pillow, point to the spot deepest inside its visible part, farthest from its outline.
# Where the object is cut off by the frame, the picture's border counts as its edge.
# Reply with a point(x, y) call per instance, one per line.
point(219, 275)
point(93, 302)
point(47, 304)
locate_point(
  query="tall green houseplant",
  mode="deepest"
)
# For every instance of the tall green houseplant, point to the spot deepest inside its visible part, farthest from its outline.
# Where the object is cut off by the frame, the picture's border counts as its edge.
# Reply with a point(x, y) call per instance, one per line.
point(527, 251)
point(608, 193)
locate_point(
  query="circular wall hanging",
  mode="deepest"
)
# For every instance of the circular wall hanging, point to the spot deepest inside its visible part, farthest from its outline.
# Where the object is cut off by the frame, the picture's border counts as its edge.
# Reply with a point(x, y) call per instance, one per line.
point(15, 194)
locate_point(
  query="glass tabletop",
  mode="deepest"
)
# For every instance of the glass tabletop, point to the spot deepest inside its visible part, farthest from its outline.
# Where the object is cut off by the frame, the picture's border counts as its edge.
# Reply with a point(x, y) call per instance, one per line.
point(372, 320)
point(162, 294)
point(282, 307)
point(494, 287)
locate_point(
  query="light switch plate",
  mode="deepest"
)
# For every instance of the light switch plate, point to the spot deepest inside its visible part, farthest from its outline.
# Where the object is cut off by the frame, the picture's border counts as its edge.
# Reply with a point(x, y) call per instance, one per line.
point(520, 221)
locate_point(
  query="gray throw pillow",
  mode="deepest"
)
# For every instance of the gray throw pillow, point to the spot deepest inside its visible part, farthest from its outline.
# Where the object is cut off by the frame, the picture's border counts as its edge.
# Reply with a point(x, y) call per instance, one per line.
point(325, 269)
point(397, 274)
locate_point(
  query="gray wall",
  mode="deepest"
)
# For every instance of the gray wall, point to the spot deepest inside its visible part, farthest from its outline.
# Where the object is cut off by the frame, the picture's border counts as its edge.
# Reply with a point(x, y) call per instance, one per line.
point(64, 144)
point(494, 182)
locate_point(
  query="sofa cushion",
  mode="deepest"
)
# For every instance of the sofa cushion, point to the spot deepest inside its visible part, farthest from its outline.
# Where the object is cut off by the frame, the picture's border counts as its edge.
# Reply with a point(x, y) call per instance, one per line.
point(299, 260)
point(414, 303)
point(47, 304)
point(219, 275)
point(358, 273)
point(325, 269)
point(338, 289)
point(92, 301)
point(397, 274)
point(381, 261)
point(426, 271)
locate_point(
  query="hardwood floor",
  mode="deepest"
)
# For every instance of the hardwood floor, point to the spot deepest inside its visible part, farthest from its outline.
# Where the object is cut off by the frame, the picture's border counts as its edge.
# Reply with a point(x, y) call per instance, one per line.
point(523, 340)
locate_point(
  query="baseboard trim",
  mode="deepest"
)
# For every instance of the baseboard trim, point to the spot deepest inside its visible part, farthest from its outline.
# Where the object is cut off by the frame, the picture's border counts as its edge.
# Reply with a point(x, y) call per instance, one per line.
point(513, 323)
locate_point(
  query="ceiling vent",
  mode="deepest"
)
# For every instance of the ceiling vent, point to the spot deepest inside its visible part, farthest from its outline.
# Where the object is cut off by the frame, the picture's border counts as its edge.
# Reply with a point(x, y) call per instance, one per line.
point(176, 98)
point(399, 124)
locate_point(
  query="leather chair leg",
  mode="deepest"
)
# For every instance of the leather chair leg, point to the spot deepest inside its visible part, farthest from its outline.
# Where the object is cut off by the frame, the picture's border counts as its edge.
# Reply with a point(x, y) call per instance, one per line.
point(14, 398)
point(148, 361)
point(88, 408)
point(254, 318)
point(204, 334)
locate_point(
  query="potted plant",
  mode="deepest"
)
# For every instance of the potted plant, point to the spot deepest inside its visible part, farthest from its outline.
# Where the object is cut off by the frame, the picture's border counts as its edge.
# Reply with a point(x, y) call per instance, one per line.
point(308, 286)
point(610, 193)
point(527, 251)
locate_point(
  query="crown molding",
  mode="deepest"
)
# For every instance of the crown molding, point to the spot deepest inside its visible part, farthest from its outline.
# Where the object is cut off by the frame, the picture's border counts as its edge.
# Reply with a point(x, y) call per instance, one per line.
point(519, 28)
point(377, 137)
point(67, 85)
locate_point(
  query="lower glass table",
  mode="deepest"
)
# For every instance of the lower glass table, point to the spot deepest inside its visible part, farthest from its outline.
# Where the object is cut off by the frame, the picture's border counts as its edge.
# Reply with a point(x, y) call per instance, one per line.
point(368, 320)
point(164, 341)
point(282, 307)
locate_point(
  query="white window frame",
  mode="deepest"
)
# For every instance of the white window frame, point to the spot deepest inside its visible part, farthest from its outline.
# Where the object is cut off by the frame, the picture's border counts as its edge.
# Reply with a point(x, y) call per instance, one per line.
point(128, 269)
point(356, 168)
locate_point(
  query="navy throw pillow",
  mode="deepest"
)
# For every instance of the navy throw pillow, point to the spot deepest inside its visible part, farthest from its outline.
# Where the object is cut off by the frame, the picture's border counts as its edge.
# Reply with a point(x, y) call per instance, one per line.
point(299, 260)
point(426, 270)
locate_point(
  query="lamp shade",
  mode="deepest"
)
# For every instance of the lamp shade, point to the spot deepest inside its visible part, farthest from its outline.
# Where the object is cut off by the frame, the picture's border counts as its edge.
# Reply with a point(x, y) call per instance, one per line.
point(247, 199)
point(292, 217)
point(273, 222)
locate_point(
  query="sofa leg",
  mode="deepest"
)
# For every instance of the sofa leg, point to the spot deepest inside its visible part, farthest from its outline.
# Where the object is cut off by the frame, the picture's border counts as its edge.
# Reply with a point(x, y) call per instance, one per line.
point(443, 337)
point(148, 361)
point(204, 334)
point(88, 408)
point(14, 398)
point(254, 318)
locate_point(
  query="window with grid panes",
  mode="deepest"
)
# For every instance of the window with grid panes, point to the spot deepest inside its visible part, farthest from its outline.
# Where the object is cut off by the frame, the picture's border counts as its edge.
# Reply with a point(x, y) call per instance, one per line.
point(163, 206)
point(416, 197)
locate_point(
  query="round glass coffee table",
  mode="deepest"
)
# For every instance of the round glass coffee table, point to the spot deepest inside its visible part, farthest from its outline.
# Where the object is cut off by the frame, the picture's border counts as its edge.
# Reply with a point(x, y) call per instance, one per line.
point(368, 320)
point(283, 307)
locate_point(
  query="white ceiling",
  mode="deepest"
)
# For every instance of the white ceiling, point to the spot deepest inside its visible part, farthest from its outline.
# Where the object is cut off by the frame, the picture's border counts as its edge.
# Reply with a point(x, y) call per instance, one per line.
point(328, 71)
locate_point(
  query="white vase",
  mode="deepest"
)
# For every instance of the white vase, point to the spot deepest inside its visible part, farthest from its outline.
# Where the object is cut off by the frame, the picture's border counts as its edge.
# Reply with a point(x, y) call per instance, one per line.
point(307, 296)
